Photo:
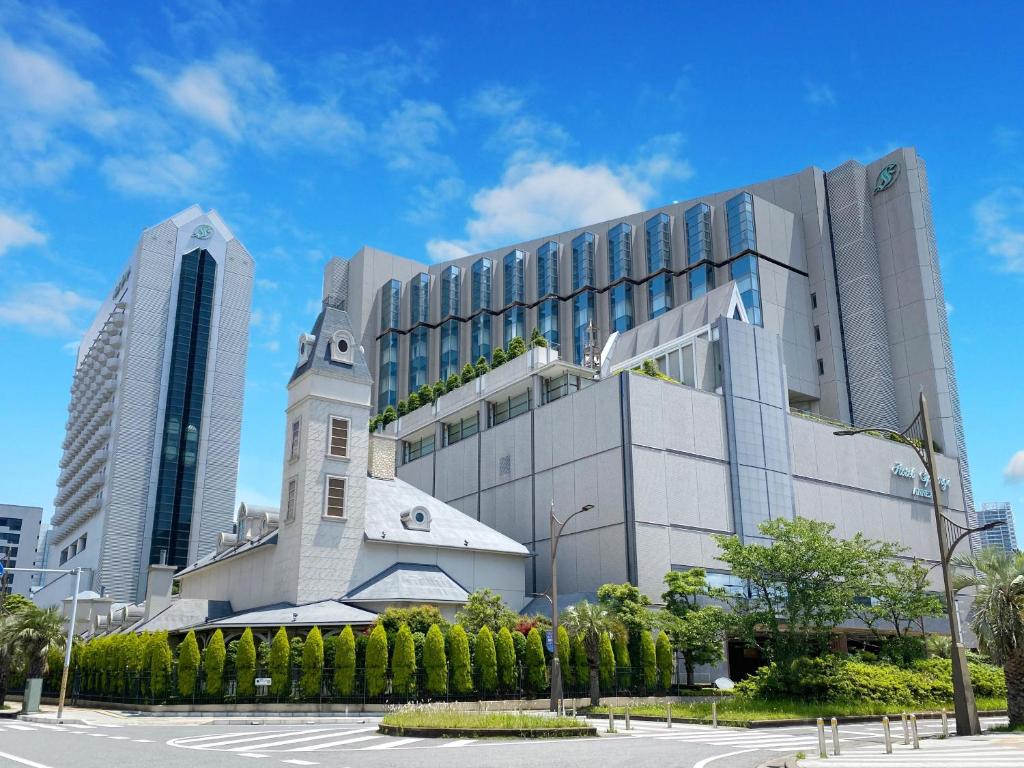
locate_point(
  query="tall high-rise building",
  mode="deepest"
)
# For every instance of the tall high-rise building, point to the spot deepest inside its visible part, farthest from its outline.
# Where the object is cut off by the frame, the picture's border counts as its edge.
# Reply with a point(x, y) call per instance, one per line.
point(19, 534)
point(150, 457)
point(1002, 536)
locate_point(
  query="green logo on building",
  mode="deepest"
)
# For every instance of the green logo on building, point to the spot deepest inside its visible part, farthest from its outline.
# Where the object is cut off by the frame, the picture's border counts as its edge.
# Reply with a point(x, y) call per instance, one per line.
point(887, 177)
point(202, 232)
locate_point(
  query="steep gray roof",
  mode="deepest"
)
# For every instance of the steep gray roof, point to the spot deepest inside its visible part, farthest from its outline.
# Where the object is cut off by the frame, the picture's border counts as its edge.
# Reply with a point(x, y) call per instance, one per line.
point(330, 320)
point(241, 548)
point(675, 323)
point(322, 613)
point(387, 499)
point(183, 613)
point(410, 582)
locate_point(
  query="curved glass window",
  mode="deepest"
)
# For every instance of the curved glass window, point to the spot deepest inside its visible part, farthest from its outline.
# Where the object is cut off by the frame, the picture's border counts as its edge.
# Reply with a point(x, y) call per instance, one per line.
point(419, 297)
point(547, 317)
point(480, 339)
point(387, 379)
point(701, 279)
point(739, 212)
point(450, 290)
point(514, 319)
point(582, 274)
point(390, 304)
point(659, 256)
point(620, 264)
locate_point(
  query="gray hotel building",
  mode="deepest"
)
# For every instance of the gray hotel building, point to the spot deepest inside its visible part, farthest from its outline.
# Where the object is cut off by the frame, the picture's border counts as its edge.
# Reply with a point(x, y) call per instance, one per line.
point(781, 307)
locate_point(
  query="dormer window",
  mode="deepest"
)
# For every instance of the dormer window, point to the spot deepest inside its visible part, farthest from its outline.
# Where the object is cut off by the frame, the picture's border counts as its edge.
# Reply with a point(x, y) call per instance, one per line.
point(307, 342)
point(416, 519)
point(341, 347)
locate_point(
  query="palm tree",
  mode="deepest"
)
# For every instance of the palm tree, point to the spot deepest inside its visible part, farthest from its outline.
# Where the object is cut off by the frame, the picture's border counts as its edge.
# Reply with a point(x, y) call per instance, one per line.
point(997, 616)
point(34, 632)
point(590, 622)
point(6, 653)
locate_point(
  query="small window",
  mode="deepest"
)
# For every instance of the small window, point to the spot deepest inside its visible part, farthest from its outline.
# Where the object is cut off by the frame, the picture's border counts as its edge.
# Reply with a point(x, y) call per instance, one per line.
point(82, 542)
point(289, 508)
point(293, 453)
point(338, 444)
point(814, 301)
point(334, 504)
point(63, 556)
point(821, 367)
point(817, 333)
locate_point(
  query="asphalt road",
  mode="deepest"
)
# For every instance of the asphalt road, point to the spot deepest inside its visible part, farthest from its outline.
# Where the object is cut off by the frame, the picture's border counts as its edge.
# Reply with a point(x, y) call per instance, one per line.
point(150, 744)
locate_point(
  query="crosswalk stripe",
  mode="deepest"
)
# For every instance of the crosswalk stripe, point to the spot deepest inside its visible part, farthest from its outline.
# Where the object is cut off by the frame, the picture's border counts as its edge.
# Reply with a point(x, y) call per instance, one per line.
point(188, 740)
point(392, 744)
point(458, 743)
point(14, 727)
point(299, 762)
point(143, 741)
point(315, 747)
point(119, 738)
point(318, 733)
point(251, 754)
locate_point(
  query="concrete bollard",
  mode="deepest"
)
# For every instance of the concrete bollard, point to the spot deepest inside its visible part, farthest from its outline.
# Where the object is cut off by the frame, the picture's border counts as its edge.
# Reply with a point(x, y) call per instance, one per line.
point(835, 736)
point(906, 729)
point(611, 720)
point(886, 735)
point(822, 752)
point(627, 717)
point(714, 714)
point(945, 725)
point(913, 730)
point(668, 715)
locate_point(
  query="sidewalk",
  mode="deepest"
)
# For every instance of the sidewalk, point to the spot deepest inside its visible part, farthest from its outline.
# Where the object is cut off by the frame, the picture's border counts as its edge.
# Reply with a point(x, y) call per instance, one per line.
point(990, 750)
point(117, 717)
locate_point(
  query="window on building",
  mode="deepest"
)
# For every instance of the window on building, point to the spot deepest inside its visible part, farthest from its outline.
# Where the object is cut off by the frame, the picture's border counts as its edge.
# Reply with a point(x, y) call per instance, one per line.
point(338, 446)
point(293, 452)
point(509, 408)
point(416, 449)
point(387, 380)
point(450, 304)
point(334, 503)
point(739, 213)
point(701, 277)
point(419, 311)
point(814, 301)
point(292, 500)
point(583, 246)
point(659, 256)
point(63, 555)
point(547, 285)
point(821, 367)
point(817, 333)
point(82, 542)
point(558, 387)
point(480, 336)
point(620, 264)
point(461, 429)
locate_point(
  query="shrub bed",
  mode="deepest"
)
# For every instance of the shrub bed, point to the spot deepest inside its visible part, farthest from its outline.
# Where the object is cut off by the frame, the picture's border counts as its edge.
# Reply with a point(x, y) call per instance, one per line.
point(439, 720)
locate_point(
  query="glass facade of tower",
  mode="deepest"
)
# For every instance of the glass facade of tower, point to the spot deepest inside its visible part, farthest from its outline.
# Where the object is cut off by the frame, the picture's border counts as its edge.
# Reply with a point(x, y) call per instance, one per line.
point(659, 256)
point(514, 320)
point(387, 369)
point(480, 339)
point(183, 409)
point(701, 278)
point(582, 274)
point(739, 213)
point(450, 294)
point(419, 312)
point(547, 284)
point(620, 264)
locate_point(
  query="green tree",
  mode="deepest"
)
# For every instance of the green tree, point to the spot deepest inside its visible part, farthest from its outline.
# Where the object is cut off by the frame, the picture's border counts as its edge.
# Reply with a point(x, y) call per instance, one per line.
point(453, 383)
point(345, 662)
point(374, 423)
point(695, 628)
point(536, 680)
point(388, 415)
point(245, 664)
point(804, 580)
point(437, 390)
point(426, 394)
point(900, 600)
point(462, 668)
point(498, 357)
point(435, 662)
point(505, 652)
point(648, 660)
point(213, 664)
point(663, 655)
point(516, 347)
point(486, 609)
point(403, 407)
point(403, 662)
point(537, 339)
point(486, 661)
point(312, 664)
point(623, 661)
point(160, 661)
point(481, 366)
point(468, 373)
point(563, 647)
point(377, 661)
point(32, 632)
point(997, 616)
point(588, 622)
point(419, 618)
point(414, 401)
point(627, 605)
point(580, 676)
point(606, 663)
point(188, 665)
point(280, 651)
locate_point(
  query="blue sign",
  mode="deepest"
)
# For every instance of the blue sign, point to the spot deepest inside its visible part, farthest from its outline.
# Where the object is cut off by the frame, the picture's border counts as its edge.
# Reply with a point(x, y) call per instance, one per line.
point(1, 569)
point(549, 640)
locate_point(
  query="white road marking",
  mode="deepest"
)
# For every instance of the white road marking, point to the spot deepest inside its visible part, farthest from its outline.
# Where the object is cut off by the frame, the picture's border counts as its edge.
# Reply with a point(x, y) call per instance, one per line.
point(273, 744)
point(392, 744)
point(315, 747)
point(249, 738)
point(23, 760)
point(706, 760)
point(187, 740)
point(143, 741)
point(119, 738)
point(299, 762)
point(458, 743)
point(251, 754)
point(14, 727)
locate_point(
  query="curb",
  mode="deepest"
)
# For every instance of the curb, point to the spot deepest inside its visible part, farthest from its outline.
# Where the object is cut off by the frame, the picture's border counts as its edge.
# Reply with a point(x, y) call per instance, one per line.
point(791, 721)
point(52, 720)
point(527, 733)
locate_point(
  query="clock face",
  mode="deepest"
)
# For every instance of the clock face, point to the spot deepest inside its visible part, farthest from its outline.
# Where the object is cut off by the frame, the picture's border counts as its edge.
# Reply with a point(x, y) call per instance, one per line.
point(202, 232)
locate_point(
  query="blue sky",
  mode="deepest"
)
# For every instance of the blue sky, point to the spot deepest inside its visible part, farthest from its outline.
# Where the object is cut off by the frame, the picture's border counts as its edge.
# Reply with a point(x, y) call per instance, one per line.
point(428, 128)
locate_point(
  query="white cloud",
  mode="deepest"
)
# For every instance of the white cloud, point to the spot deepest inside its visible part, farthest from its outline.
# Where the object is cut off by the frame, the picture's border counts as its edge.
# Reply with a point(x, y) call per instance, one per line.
point(819, 94)
point(16, 232)
point(265, 284)
point(45, 309)
point(949, 309)
point(1014, 471)
point(272, 346)
point(541, 196)
point(260, 498)
point(999, 226)
point(409, 134)
point(165, 173)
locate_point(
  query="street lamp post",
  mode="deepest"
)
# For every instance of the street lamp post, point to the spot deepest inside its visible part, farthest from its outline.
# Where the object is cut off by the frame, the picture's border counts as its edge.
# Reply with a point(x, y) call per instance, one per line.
point(557, 526)
point(71, 628)
point(967, 723)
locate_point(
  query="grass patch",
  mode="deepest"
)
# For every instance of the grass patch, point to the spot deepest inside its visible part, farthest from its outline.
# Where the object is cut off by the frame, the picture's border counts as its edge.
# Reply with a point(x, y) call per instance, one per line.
point(1008, 729)
point(739, 709)
point(427, 716)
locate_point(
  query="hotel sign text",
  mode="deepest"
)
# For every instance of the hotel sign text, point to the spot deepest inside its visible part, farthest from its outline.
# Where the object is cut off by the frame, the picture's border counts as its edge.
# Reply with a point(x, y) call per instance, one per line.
point(924, 486)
